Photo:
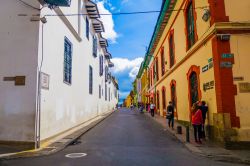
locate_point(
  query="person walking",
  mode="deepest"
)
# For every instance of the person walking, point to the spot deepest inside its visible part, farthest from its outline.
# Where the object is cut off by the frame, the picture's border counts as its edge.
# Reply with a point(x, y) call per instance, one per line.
point(204, 109)
point(170, 115)
point(152, 109)
point(197, 123)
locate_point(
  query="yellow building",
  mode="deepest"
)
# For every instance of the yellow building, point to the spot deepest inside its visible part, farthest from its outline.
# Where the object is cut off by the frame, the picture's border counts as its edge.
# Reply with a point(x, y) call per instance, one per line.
point(128, 101)
point(200, 51)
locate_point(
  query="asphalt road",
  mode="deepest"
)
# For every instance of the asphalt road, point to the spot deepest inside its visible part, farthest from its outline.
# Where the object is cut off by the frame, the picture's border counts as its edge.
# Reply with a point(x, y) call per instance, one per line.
point(126, 138)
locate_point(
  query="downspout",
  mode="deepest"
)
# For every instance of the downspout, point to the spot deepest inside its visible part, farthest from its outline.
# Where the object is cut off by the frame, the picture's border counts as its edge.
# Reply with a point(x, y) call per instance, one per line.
point(38, 99)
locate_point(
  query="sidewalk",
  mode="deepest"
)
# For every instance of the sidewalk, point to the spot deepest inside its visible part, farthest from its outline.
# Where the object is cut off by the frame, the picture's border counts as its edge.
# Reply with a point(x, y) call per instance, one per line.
point(207, 148)
point(54, 145)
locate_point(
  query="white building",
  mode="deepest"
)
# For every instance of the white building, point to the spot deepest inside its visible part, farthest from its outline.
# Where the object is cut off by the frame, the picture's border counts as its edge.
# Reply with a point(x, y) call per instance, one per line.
point(69, 54)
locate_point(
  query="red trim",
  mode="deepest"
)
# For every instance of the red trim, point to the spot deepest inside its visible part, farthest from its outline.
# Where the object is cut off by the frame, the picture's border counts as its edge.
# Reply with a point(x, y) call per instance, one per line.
point(163, 95)
point(188, 2)
point(171, 34)
point(218, 11)
point(192, 69)
point(157, 100)
point(157, 69)
point(173, 83)
point(178, 12)
point(224, 86)
point(162, 62)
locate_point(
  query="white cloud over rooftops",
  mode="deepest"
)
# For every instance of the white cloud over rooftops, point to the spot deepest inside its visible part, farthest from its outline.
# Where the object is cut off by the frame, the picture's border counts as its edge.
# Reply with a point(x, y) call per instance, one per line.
point(124, 64)
point(108, 23)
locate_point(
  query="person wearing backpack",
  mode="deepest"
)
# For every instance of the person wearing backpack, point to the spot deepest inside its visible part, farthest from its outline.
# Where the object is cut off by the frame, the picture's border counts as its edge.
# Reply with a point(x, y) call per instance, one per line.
point(170, 115)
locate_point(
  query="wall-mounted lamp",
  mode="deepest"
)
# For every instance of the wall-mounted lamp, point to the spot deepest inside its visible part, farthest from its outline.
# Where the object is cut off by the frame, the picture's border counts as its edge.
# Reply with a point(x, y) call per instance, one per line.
point(37, 18)
point(206, 15)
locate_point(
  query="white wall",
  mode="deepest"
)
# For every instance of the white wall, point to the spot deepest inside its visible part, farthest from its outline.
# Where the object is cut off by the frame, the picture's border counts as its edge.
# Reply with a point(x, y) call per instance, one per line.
point(65, 106)
point(18, 56)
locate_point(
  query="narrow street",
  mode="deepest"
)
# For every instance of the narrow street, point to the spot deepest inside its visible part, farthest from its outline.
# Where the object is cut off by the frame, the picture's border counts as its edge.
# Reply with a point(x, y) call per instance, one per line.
point(124, 138)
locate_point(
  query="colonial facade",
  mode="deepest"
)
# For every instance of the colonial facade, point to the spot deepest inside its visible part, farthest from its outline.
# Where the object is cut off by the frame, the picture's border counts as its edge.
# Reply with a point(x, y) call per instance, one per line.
point(54, 69)
point(199, 51)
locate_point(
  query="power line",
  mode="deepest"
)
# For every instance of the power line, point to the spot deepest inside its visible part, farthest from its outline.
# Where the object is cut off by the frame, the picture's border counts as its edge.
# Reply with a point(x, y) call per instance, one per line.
point(122, 13)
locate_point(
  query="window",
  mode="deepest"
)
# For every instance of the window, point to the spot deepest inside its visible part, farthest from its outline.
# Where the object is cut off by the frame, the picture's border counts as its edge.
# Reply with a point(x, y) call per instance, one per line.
point(106, 95)
point(190, 25)
point(162, 62)
point(106, 73)
point(94, 46)
point(90, 80)
point(87, 28)
point(171, 49)
point(100, 91)
point(156, 69)
point(67, 78)
point(101, 65)
point(109, 94)
point(173, 92)
point(158, 100)
point(163, 98)
point(193, 82)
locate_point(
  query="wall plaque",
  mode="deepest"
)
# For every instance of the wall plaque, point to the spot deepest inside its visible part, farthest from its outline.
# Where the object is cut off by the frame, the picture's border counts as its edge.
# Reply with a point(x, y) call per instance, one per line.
point(238, 78)
point(226, 65)
point(208, 86)
point(20, 80)
point(227, 55)
point(205, 68)
point(44, 81)
point(244, 87)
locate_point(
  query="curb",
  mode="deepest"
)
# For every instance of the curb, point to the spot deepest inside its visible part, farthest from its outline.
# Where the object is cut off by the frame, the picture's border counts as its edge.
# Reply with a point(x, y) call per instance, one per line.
point(58, 145)
point(197, 151)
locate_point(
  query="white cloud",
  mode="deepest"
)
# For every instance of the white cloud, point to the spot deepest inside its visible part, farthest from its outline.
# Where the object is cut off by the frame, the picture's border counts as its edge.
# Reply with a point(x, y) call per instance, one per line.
point(123, 64)
point(108, 23)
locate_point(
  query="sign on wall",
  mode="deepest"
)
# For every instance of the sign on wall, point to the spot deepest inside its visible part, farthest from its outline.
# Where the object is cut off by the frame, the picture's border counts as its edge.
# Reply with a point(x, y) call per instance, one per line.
point(244, 87)
point(44, 81)
point(208, 86)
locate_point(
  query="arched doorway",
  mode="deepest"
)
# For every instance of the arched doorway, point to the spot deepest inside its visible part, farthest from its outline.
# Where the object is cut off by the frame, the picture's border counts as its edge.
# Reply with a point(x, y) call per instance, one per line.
point(163, 92)
point(194, 92)
point(174, 96)
point(193, 82)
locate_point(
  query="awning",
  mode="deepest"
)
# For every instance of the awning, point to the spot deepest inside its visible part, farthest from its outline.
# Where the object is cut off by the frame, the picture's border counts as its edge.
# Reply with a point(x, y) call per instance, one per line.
point(98, 26)
point(92, 10)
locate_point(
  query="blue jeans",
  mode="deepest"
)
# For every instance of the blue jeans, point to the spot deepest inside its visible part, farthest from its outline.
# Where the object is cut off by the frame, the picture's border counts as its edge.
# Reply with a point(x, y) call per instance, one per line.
point(171, 122)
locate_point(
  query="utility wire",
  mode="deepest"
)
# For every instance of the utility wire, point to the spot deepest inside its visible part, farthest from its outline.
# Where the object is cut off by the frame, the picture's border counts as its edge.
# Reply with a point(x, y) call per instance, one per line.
point(122, 13)
point(25, 3)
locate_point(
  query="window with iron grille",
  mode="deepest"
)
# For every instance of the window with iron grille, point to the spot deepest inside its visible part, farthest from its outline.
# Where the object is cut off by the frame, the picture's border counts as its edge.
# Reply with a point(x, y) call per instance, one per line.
point(164, 98)
point(100, 91)
point(94, 46)
point(156, 69)
point(67, 71)
point(106, 73)
point(162, 62)
point(87, 28)
point(171, 50)
point(101, 65)
point(190, 25)
point(106, 95)
point(90, 80)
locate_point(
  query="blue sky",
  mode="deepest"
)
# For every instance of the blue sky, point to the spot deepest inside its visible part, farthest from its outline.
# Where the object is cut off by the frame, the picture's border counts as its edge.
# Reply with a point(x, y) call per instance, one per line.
point(128, 36)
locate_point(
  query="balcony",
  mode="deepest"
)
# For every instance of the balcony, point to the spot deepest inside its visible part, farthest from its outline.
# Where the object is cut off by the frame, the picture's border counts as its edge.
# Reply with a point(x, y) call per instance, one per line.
point(92, 10)
point(103, 42)
point(98, 26)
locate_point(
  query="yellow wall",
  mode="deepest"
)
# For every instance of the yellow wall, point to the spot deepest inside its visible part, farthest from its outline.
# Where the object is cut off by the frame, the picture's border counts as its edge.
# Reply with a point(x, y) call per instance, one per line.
point(240, 46)
point(237, 10)
point(199, 58)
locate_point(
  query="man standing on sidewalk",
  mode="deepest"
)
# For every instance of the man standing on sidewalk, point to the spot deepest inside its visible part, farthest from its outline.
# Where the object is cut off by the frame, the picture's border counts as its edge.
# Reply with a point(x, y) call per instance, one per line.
point(170, 115)
point(152, 109)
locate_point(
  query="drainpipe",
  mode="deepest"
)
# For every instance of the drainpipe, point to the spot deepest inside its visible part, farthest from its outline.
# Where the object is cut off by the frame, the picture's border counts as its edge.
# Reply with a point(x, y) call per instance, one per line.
point(38, 98)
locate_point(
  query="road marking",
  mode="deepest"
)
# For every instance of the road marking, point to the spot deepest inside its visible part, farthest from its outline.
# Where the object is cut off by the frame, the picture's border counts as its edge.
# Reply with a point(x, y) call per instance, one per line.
point(76, 155)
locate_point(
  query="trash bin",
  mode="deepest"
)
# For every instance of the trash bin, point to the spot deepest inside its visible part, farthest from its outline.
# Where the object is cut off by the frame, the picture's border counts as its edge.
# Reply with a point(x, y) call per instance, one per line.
point(179, 130)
